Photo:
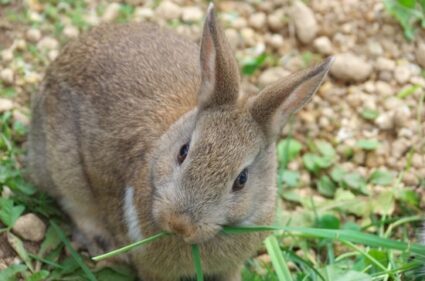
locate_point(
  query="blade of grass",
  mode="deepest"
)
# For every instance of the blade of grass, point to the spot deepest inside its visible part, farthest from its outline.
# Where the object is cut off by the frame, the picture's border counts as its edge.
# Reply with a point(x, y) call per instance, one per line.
point(196, 255)
point(340, 234)
point(74, 254)
point(130, 246)
point(278, 261)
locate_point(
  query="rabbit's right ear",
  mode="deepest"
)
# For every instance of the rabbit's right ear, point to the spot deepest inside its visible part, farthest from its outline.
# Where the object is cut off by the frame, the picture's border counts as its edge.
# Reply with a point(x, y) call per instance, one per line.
point(220, 71)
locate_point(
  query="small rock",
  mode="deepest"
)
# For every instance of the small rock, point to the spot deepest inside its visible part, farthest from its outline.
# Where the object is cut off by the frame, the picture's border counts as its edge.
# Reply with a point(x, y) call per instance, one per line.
point(111, 12)
point(30, 227)
point(257, 20)
point(418, 161)
point(143, 13)
point(304, 21)
point(48, 43)
point(6, 193)
point(20, 117)
point(375, 48)
point(53, 54)
point(271, 75)
point(384, 89)
point(402, 73)
point(384, 64)
point(7, 75)
point(7, 55)
point(33, 35)
point(275, 21)
point(323, 45)
point(350, 68)
point(192, 14)
point(233, 37)
point(248, 36)
point(239, 23)
point(402, 115)
point(276, 41)
point(168, 10)
point(5, 105)
point(20, 44)
point(420, 54)
point(71, 31)
point(385, 121)
point(410, 179)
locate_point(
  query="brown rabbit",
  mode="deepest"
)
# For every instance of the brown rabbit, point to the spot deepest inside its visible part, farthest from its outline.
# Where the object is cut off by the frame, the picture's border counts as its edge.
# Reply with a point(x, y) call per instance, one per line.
point(137, 130)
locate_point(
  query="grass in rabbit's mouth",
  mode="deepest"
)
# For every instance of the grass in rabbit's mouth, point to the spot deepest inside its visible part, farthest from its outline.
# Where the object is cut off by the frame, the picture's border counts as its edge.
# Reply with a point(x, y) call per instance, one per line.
point(346, 237)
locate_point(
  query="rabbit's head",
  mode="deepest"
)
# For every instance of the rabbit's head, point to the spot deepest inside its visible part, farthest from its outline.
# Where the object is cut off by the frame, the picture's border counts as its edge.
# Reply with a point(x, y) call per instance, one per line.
point(216, 166)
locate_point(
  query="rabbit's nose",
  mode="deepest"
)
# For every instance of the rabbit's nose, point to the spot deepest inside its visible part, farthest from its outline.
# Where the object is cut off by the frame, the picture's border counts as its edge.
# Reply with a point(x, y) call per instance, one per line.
point(181, 224)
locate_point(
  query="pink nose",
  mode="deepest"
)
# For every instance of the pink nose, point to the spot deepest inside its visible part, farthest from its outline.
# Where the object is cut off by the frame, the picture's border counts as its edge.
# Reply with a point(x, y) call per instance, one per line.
point(181, 224)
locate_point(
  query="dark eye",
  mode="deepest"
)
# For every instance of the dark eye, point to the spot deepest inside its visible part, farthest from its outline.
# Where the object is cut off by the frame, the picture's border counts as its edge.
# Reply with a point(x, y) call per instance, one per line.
point(184, 150)
point(240, 180)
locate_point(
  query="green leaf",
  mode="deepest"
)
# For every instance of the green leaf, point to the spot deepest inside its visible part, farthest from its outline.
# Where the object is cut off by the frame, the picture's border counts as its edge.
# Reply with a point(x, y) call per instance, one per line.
point(368, 144)
point(38, 276)
point(380, 177)
point(325, 149)
point(278, 261)
point(334, 273)
point(385, 203)
point(326, 186)
point(310, 164)
point(196, 255)
point(9, 213)
point(329, 222)
point(355, 181)
point(337, 173)
point(409, 197)
point(74, 254)
point(50, 242)
point(115, 274)
point(290, 178)
point(407, 91)
point(369, 114)
point(287, 150)
point(19, 248)
point(323, 162)
point(250, 65)
point(9, 274)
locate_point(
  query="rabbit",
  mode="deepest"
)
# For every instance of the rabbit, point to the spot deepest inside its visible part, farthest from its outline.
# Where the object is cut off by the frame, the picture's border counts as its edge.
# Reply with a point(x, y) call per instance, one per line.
point(137, 130)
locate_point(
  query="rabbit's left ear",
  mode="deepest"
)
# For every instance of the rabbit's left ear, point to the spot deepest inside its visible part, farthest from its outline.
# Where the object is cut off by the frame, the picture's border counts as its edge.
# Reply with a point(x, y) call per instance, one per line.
point(272, 107)
point(220, 71)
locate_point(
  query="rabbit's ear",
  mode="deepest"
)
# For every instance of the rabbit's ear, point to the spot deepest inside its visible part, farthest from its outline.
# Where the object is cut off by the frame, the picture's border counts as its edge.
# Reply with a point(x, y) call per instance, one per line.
point(272, 107)
point(220, 72)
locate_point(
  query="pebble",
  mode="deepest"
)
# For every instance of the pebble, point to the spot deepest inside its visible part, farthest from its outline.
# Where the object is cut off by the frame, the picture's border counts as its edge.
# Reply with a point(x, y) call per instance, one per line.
point(384, 89)
point(7, 76)
point(30, 227)
point(111, 12)
point(5, 105)
point(323, 45)
point(71, 31)
point(248, 36)
point(402, 73)
point(33, 35)
point(275, 21)
point(402, 115)
point(7, 55)
point(385, 121)
point(48, 43)
point(420, 55)
point(275, 40)
point(192, 14)
point(53, 54)
point(257, 20)
point(384, 64)
point(168, 10)
point(271, 75)
point(233, 37)
point(143, 13)
point(305, 22)
point(350, 68)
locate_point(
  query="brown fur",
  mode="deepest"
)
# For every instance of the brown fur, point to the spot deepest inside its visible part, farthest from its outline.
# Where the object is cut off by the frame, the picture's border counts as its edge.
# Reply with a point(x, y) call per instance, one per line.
point(113, 112)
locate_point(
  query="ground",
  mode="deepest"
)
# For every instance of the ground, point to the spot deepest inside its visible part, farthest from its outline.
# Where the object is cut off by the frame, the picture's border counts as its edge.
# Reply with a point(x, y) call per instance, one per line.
point(351, 159)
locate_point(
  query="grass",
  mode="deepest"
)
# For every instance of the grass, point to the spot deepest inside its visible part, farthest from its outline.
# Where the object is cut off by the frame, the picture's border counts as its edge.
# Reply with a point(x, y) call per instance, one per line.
point(341, 226)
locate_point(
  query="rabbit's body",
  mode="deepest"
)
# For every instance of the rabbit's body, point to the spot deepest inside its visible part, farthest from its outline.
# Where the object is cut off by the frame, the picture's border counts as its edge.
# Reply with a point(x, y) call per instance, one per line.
point(117, 115)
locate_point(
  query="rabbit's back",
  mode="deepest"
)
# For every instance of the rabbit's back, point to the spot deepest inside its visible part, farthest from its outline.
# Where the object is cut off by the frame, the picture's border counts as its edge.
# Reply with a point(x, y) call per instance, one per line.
point(119, 87)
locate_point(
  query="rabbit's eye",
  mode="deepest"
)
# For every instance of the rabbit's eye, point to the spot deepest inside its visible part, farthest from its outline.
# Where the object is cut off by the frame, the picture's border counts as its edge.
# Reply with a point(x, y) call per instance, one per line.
point(240, 180)
point(184, 150)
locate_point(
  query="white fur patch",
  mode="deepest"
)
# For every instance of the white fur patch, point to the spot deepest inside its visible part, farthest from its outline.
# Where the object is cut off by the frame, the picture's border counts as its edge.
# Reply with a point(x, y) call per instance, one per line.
point(130, 215)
